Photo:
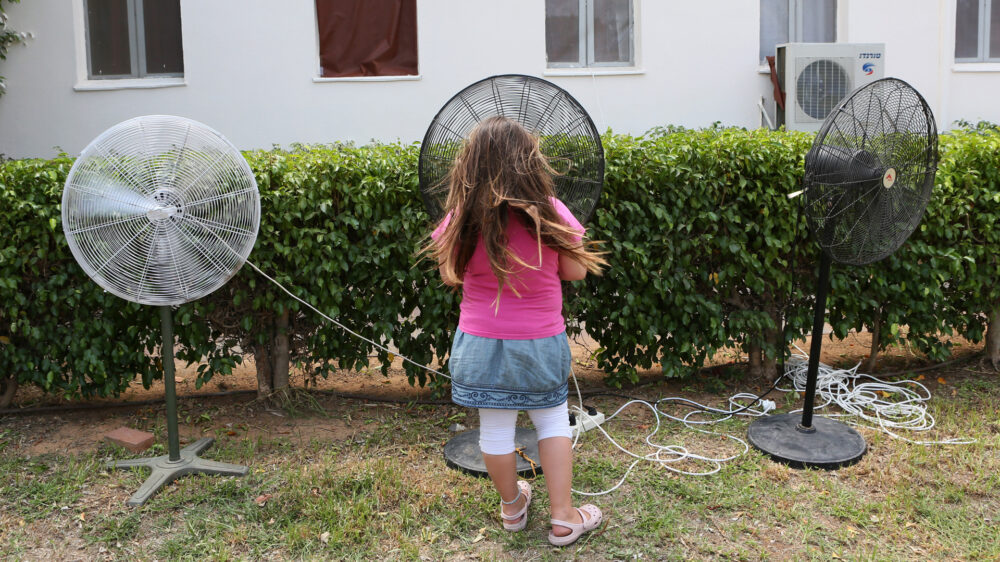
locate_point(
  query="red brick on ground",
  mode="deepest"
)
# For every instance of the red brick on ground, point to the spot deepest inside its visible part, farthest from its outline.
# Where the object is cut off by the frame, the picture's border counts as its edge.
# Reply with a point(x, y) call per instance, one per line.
point(132, 439)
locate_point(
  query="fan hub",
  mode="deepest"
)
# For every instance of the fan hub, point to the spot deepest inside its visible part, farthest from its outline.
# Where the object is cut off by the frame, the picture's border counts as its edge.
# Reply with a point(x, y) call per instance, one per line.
point(889, 178)
point(168, 206)
point(160, 214)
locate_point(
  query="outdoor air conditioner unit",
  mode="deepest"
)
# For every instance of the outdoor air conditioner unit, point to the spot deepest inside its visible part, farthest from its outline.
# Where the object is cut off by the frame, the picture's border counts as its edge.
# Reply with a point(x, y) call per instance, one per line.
point(816, 76)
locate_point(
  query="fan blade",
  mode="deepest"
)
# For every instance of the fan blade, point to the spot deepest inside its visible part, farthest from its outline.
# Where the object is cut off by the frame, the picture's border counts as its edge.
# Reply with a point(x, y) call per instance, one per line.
point(113, 198)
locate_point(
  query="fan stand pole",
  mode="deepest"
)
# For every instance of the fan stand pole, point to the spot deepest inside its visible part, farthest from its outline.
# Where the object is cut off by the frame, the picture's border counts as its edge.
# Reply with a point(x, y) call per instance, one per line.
point(177, 462)
point(816, 343)
point(170, 384)
point(807, 441)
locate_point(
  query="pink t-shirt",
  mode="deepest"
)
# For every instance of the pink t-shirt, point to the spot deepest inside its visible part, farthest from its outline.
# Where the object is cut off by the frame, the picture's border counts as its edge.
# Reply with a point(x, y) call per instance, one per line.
point(537, 313)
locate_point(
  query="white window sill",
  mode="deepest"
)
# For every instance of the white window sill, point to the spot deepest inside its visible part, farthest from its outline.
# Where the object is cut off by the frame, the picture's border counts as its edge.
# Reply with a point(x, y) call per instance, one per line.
point(407, 77)
point(129, 84)
point(976, 67)
point(594, 71)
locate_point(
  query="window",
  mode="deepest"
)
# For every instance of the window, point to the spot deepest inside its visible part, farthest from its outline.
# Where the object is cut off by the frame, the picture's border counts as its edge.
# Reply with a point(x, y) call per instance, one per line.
point(134, 38)
point(977, 31)
point(367, 37)
point(589, 33)
point(796, 21)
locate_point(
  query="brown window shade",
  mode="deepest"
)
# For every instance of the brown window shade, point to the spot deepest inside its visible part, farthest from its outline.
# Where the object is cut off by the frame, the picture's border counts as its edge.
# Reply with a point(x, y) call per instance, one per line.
point(367, 37)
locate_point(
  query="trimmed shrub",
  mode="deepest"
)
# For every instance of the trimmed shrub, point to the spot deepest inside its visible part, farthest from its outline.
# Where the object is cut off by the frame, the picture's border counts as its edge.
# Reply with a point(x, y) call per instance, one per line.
point(58, 329)
point(706, 251)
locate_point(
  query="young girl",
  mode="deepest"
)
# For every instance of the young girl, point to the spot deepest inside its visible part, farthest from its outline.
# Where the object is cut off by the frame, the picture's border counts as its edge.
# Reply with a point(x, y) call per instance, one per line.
point(507, 242)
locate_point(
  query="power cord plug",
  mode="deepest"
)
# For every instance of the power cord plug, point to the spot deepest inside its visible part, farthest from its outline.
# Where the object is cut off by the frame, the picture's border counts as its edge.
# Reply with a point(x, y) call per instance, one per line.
point(590, 419)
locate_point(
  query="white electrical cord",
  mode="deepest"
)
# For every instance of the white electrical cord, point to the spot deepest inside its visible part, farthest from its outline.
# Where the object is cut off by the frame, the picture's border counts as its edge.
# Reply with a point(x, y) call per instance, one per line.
point(835, 386)
point(888, 405)
point(317, 311)
point(664, 455)
point(343, 327)
point(868, 401)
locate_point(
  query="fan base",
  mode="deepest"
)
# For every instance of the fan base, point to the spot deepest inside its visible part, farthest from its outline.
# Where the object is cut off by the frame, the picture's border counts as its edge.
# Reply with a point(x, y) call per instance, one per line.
point(827, 444)
point(462, 453)
point(166, 471)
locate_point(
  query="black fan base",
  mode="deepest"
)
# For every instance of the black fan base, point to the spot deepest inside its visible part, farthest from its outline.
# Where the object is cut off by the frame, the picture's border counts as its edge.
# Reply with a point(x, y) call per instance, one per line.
point(166, 471)
point(830, 444)
point(462, 453)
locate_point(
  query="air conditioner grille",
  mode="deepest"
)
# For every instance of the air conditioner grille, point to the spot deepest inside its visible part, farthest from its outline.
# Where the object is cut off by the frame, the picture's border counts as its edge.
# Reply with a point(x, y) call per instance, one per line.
point(820, 85)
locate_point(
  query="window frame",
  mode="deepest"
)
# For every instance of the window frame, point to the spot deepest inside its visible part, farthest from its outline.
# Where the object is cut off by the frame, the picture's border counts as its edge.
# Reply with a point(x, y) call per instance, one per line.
point(137, 46)
point(586, 44)
point(796, 24)
point(983, 40)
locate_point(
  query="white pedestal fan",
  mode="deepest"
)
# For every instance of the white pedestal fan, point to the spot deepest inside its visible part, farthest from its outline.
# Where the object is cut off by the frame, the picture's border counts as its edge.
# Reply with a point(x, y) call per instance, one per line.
point(162, 210)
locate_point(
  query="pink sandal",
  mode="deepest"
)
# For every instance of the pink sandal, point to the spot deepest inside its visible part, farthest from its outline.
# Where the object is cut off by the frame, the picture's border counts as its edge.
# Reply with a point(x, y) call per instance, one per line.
point(578, 529)
point(523, 489)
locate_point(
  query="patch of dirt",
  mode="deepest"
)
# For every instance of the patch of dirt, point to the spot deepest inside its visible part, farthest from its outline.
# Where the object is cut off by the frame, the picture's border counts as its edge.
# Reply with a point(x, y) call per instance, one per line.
point(220, 418)
point(239, 415)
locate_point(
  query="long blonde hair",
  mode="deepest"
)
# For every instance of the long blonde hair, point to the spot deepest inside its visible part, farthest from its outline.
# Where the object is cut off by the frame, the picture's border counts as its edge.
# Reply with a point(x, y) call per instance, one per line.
point(501, 169)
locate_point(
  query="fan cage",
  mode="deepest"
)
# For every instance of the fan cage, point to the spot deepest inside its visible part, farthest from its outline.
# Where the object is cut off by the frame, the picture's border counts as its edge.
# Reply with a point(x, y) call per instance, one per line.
point(160, 210)
point(870, 172)
point(568, 137)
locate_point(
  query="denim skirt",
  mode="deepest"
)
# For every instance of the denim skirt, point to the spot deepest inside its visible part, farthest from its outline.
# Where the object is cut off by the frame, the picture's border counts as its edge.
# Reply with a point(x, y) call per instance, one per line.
point(509, 374)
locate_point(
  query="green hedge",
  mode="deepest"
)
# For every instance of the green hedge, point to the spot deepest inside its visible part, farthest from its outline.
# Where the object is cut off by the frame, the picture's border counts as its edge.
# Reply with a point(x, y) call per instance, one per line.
point(706, 248)
point(706, 251)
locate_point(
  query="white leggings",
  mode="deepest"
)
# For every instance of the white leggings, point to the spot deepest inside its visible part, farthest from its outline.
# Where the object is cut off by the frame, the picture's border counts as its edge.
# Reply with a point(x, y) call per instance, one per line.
point(496, 427)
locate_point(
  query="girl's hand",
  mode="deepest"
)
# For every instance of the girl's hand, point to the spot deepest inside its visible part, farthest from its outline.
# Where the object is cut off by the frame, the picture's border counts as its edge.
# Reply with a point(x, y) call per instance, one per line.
point(570, 269)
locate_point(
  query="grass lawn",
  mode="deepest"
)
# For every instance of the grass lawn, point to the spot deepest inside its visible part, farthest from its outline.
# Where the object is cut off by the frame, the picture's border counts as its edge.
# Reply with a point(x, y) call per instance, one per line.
point(377, 486)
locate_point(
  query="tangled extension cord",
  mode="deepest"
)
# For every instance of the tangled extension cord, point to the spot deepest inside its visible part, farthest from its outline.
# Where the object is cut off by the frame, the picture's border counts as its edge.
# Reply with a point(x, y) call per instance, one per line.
point(885, 406)
point(666, 455)
point(835, 386)
point(841, 387)
point(662, 454)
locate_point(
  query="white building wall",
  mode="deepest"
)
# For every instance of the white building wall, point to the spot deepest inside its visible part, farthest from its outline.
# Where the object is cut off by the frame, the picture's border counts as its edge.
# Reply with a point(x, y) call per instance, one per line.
point(250, 68)
point(914, 51)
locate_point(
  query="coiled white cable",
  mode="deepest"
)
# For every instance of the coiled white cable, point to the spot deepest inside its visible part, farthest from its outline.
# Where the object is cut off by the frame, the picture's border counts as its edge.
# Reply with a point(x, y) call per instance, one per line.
point(886, 406)
point(868, 401)
point(665, 455)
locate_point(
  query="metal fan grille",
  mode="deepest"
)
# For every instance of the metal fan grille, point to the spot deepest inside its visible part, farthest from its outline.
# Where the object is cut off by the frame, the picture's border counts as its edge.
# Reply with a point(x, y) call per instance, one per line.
point(870, 172)
point(160, 210)
point(568, 137)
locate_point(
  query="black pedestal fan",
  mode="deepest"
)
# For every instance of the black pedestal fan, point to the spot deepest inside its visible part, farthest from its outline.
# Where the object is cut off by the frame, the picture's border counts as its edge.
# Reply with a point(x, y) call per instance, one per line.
point(567, 134)
point(868, 180)
point(567, 137)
